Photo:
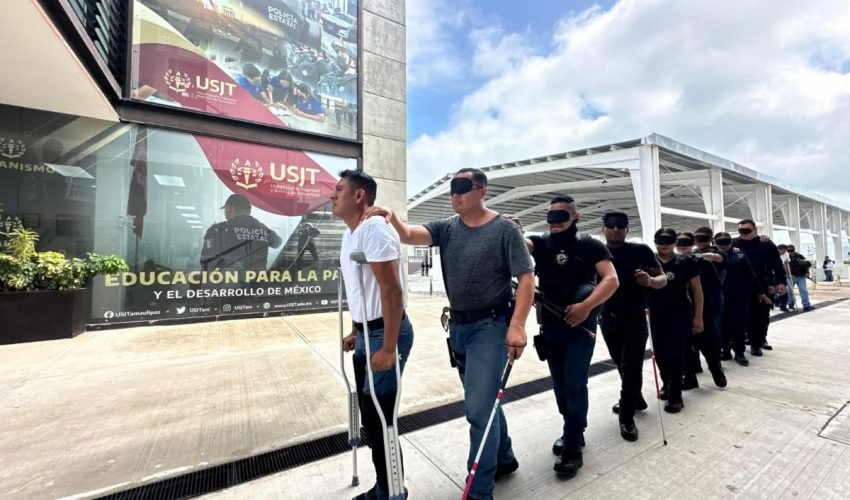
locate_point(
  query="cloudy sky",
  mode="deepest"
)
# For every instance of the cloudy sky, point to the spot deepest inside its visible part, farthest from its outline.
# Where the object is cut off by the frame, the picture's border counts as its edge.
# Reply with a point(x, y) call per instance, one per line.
point(763, 83)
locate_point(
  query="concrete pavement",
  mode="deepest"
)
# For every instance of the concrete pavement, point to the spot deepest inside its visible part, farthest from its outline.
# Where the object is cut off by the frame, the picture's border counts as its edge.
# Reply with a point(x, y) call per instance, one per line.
point(112, 410)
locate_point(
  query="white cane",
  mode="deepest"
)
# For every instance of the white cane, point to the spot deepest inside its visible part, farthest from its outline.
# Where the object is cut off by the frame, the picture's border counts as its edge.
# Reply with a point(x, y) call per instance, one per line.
point(392, 453)
point(353, 407)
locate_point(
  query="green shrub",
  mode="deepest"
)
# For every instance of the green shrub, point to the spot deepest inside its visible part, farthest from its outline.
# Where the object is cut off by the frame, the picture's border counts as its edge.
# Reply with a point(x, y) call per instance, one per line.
point(24, 269)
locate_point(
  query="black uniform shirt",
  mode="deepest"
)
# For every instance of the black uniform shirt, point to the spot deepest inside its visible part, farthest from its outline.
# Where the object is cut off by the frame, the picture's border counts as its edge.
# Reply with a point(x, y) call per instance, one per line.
point(562, 270)
point(630, 296)
point(675, 297)
point(764, 257)
point(741, 280)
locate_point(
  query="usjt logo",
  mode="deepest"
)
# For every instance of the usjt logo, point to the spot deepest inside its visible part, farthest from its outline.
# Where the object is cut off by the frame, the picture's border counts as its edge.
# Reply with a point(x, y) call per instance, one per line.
point(246, 175)
point(177, 81)
point(12, 149)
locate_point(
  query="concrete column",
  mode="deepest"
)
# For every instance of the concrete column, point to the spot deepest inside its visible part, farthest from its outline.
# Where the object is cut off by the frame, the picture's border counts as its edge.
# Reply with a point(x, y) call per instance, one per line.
point(646, 182)
point(761, 208)
point(793, 219)
point(712, 197)
point(819, 216)
point(837, 251)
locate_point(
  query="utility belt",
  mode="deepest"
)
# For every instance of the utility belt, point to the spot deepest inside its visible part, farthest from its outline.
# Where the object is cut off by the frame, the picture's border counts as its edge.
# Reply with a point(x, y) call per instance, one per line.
point(377, 323)
point(471, 316)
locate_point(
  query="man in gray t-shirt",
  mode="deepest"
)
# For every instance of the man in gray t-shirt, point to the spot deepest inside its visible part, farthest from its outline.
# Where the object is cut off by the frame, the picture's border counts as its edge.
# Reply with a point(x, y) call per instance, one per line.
point(480, 251)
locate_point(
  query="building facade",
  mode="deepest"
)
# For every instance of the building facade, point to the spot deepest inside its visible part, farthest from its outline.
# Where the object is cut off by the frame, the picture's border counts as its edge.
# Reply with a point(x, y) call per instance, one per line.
point(200, 141)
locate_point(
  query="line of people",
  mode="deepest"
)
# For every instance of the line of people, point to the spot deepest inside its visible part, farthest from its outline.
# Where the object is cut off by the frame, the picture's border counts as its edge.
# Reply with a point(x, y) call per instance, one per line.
point(705, 293)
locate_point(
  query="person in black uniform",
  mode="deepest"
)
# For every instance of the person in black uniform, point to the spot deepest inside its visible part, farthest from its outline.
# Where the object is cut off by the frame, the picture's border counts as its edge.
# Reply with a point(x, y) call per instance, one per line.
point(708, 341)
point(674, 315)
point(622, 320)
point(739, 285)
point(764, 257)
point(239, 243)
point(567, 267)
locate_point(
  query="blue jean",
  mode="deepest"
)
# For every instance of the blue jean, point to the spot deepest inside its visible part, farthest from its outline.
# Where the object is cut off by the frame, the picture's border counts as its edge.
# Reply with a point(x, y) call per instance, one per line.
point(800, 281)
point(385, 389)
point(789, 286)
point(568, 353)
point(481, 354)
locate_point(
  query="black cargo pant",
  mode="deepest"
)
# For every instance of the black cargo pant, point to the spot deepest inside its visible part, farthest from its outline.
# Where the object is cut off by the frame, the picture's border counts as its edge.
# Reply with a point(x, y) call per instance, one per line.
point(735, 314)
point(670, 330)
point(625, 335)
point(758, 321)
point(710, 341)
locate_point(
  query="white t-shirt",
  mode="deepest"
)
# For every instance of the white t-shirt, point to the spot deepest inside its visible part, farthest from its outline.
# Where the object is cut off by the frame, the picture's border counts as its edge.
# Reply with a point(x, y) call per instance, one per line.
point(380, 242)
point(785, 258)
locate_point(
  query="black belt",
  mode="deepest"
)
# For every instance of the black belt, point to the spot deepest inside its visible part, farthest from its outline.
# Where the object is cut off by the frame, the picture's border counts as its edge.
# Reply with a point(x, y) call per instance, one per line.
point(462, 317)
point(376, 324)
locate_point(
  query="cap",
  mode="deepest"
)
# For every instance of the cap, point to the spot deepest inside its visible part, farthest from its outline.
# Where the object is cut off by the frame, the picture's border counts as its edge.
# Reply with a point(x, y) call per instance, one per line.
point(238, 202)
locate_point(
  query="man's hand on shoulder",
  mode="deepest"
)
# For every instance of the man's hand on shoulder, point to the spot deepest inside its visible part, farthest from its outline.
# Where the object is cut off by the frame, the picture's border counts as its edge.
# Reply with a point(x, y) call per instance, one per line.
point(374, 210)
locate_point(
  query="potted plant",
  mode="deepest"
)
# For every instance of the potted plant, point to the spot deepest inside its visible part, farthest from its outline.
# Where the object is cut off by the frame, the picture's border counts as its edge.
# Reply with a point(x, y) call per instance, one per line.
point(42, 294)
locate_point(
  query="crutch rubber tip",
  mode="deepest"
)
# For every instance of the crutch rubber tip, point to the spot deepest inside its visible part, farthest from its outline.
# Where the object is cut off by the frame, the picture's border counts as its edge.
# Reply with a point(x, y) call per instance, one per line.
point(665, 442)
point(356, 482)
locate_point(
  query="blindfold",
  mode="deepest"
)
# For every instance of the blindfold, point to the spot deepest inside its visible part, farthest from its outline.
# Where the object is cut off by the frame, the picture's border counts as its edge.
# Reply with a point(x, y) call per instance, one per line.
point(744, 230)
point(702, 238)
point(684, 242)
point(723, 241)
point(557, 216)
point(616, 222)
point(462, 185)
point(665, 239)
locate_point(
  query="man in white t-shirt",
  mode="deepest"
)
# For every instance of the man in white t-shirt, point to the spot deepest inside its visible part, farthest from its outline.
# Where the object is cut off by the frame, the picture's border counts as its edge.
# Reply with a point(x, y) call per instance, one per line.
point(385, 296)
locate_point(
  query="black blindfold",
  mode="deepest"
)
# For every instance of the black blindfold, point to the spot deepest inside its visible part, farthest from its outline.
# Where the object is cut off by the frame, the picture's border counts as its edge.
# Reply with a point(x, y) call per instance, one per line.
point(557, 216)
point(462, 185)
point(723, 241)
point(702, 238)
point(616, 222)
point(665, 239)
point(684, 242)
point(744, 230)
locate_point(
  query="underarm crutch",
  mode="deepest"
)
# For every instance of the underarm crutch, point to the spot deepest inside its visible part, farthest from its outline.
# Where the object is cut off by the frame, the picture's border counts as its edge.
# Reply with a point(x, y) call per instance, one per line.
point(353, 406)
point(392, 453)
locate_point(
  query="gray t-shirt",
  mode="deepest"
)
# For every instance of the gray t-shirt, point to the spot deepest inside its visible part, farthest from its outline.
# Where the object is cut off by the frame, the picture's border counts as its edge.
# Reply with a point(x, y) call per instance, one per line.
point(479, 261)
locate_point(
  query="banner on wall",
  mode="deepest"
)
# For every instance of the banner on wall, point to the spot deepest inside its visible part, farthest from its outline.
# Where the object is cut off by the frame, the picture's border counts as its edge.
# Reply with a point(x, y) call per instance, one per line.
point(288, 63)
point(275, 251)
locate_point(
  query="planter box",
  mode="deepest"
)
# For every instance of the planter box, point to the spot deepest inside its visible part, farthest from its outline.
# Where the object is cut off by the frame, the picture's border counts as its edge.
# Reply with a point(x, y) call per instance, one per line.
point(42, 315)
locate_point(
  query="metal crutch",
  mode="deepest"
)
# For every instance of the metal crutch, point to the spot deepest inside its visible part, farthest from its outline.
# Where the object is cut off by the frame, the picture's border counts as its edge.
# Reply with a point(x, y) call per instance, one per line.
point(353, 406)
point(392, 453)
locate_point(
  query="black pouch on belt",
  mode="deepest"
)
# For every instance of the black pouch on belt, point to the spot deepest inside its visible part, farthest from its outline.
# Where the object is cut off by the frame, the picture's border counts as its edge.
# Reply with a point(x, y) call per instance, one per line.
point(540, 346)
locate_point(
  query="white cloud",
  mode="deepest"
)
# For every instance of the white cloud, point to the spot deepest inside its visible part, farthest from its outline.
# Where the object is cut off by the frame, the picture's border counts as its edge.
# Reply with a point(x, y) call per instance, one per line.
point(765, 86)
point(432, 55)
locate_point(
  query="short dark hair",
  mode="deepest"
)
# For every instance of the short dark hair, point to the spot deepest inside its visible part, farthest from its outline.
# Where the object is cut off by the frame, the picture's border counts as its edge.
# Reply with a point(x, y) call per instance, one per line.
point(562, 198)
point(687, 234)
point(478, 175)
point(722, 234)
point(782, 246)
point(250, 71)
point(304, 88)
point(747, 221)
point(361, 180)
point(611, 215)
point(704, 230)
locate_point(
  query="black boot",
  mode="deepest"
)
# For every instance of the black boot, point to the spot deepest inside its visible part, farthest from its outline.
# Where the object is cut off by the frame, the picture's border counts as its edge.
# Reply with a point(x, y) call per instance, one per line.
point(755, 350)
point(674, 405)
point(690, 382)
point(726, 356)
point(718, 375)
point(742, 360)
point(639, 406)
point(568, 464)
point(628, 430)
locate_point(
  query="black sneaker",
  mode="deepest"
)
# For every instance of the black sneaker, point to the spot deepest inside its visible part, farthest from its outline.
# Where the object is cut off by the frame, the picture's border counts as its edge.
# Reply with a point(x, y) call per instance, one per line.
point(742, 360)
point(689, 383)
point(639, 406)
point(808, 308)
point(568, 464)
point(756, 351)
point(767, 347)
point(718, 376)
point(674, 405)
point(503, 470)
point(628, 431)
point(783, 309)
point(367, 495)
